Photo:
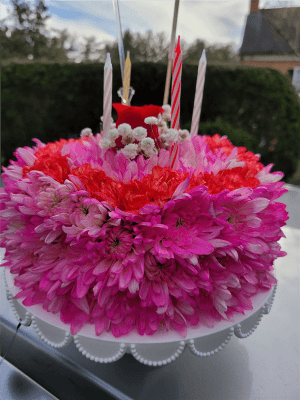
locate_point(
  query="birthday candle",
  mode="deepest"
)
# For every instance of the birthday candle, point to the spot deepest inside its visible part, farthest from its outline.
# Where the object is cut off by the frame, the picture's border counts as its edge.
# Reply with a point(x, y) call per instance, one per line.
point(171, 51)
point(175, 99)
point(120, 37)
point(176, 87)
point(198, 94)
point(126, 82)
point(107, 95)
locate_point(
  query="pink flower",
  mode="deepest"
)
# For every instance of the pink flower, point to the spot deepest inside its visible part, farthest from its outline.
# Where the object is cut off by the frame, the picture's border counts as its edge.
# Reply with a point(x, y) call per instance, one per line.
point(195, 260)
point(118, 242)
point(88, 216)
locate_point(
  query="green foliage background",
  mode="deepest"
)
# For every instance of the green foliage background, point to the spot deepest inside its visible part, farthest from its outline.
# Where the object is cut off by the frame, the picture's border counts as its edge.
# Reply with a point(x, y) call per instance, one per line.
point(51, 101)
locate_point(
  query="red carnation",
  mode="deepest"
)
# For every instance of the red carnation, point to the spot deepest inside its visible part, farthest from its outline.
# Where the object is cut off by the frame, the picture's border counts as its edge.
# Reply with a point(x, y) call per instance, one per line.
point(230, 179)
point(98, 184)
point(163, 181)
point(54, 165)
point(215, 142)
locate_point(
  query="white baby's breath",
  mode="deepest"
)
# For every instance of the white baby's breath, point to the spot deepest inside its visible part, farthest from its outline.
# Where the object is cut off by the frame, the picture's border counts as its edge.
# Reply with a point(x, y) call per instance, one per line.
point(128, 138)
point(149, 152)
point(147, 144)
point(167, 114)
point(124, 129)
point(139, 133)
point(183, 135)
point(162, 126)
point(105, 144)
point(163, 138)
point(130, 151)
point(113, 134)
point(172, 136)
point(86, 132)
point(167, 108)
point(151, 120)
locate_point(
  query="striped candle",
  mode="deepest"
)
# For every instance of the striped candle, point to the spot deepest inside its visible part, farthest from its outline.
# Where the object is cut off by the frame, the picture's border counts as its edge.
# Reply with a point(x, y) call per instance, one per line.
point(126, 81)
point(171, 51)
point(198, 94)
point(107, 96)
point(176, 87)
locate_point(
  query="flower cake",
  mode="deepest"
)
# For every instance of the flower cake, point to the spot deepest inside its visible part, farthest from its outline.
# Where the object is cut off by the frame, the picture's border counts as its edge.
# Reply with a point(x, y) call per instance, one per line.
point(147, 229)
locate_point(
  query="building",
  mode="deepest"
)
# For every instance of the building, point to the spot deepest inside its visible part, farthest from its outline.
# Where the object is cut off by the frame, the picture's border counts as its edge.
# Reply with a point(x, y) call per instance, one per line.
point(272, 38)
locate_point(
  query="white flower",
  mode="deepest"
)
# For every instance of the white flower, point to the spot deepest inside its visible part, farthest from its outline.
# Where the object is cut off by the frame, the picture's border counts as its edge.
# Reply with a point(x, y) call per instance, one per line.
point(128, 138)
point(124, 129)
point(86, 132)
point(147, 144)
point(149, 152)
point(130, 151)
point(183, 135)
point(172, 136)
point(113, 134)
point(163, 138)
point(162, 126)
point(105, 144)
point(151, 120)
point(167, 108)
point(139, 133)
point(167, 114)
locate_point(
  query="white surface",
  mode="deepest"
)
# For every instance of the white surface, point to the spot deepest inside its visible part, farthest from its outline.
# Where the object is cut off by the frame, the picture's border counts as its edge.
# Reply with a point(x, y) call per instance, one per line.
point(14, 384)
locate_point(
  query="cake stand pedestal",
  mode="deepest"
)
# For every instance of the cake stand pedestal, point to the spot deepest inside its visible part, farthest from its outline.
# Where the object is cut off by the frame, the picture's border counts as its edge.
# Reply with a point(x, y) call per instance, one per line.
point(157, 350)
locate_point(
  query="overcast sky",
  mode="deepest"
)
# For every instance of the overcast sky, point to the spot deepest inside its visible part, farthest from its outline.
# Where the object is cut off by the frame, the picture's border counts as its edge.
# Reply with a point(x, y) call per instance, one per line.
point(220, 22)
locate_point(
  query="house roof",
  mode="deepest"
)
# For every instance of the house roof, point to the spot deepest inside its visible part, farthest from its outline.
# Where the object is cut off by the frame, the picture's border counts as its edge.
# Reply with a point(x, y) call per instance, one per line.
point(272, 31)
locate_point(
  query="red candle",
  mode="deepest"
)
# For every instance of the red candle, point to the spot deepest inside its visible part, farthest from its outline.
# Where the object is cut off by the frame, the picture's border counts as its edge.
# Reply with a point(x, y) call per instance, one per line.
point(176, 87)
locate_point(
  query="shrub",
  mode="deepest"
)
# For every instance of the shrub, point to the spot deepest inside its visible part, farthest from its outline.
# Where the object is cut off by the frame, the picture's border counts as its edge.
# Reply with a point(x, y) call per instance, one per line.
point(237, 136)
point(50, 101)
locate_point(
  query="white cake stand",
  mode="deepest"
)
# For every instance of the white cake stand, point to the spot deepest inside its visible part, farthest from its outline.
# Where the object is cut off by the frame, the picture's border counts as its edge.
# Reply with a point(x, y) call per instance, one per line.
point(160, 349)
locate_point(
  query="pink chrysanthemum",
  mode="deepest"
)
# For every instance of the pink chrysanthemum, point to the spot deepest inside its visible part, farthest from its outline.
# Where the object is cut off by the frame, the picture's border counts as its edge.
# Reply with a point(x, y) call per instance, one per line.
point(129, 244)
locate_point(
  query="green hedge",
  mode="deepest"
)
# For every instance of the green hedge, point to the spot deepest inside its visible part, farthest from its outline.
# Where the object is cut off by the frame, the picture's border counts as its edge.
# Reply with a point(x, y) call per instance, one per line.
point(237, 136)
point(53, 101)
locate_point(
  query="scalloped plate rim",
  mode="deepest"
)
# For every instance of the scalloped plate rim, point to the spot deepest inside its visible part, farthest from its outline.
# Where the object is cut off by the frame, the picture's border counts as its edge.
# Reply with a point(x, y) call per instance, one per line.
point(258, 301)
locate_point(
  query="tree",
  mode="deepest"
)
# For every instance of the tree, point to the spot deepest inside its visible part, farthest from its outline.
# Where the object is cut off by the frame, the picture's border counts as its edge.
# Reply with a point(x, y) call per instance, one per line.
point(142, 47)
point(149, 46)
point(91, 49)
point(61, 46)
point(31, 21)
point(29, 38)
point(191, 55)
point(214, 53)
point(13, 44)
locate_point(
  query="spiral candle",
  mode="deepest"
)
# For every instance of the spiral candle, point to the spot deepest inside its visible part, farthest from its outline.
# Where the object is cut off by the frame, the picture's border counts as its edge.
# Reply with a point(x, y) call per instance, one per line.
point(126, 82)
point(198, 94)
point(107, 95)
point(176, 87)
